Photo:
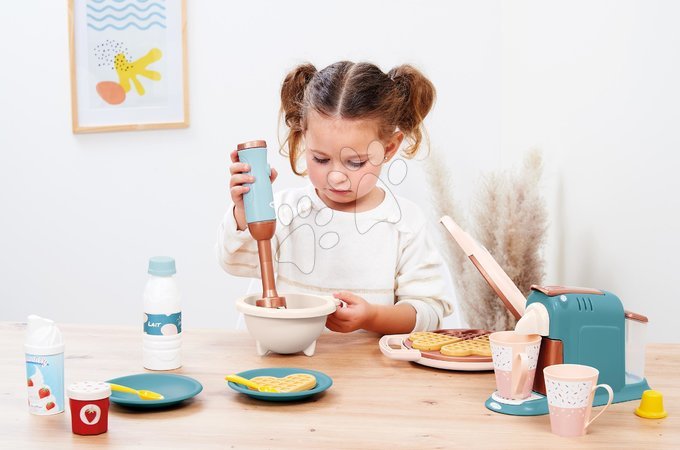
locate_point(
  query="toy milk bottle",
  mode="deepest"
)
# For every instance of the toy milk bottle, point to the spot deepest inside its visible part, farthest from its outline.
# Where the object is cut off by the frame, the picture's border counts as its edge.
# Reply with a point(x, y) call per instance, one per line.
point(44, 367)
point(162, 316)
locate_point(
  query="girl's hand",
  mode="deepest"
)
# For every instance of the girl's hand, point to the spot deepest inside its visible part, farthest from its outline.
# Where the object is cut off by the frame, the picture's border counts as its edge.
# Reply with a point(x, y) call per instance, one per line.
point(355, 315)
point(236, 188)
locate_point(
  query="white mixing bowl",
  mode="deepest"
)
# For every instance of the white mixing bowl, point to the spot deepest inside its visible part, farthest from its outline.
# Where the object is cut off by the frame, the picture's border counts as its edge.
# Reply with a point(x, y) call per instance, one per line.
point(289, 330)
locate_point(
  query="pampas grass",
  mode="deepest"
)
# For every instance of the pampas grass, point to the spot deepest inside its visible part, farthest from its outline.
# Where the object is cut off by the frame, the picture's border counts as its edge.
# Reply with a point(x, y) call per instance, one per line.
point(509, 217)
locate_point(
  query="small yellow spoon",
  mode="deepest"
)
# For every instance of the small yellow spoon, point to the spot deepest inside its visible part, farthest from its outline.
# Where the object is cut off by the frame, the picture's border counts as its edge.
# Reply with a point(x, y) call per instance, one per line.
point(143, 393)
point(251, 384)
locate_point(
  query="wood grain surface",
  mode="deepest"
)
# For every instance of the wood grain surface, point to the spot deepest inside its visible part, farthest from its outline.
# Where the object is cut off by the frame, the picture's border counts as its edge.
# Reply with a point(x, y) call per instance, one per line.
point(374, 403)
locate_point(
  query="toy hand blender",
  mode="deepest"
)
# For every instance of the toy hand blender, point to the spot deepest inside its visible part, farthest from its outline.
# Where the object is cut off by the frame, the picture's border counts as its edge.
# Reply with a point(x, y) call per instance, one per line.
point(261, 217)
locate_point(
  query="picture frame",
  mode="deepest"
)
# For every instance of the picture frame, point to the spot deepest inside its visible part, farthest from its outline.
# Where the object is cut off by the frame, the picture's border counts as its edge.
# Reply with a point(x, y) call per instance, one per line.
point(128, 63)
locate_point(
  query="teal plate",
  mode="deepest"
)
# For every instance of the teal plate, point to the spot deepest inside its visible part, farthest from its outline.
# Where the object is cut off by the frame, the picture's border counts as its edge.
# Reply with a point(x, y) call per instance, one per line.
point(323, 382)
point(175, 389)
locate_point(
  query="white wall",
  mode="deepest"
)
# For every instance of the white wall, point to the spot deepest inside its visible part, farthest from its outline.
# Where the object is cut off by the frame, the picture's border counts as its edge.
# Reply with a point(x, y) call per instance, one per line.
point(591, 84)
point(82, 213)
point(594, 84)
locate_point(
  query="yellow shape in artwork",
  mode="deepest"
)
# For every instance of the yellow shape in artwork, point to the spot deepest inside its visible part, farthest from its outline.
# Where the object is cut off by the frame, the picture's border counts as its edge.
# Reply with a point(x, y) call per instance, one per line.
point(128, 70)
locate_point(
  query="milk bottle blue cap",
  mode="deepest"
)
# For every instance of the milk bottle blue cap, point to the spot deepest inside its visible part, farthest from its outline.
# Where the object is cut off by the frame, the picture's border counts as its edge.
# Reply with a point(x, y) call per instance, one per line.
point(162, 266)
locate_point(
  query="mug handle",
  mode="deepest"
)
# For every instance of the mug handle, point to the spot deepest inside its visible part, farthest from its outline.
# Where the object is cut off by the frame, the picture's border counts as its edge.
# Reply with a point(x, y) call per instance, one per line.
point(524, 368)
point(611, 397)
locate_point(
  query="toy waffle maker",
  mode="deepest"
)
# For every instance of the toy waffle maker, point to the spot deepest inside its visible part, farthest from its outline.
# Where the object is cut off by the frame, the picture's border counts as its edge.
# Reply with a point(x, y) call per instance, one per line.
point(450, 349)
point(578, 326)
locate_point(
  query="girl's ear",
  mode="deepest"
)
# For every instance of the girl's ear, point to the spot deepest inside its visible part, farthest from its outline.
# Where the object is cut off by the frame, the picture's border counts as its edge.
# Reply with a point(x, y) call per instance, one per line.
point(393, 144)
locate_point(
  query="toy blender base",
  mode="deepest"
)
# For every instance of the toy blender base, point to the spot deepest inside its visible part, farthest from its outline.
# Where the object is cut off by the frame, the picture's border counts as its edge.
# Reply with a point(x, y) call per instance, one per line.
point(537, 404)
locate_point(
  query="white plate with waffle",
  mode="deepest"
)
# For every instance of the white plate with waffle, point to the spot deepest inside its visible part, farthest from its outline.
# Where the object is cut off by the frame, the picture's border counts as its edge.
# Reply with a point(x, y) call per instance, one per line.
point(450, 349)
point(283, 378)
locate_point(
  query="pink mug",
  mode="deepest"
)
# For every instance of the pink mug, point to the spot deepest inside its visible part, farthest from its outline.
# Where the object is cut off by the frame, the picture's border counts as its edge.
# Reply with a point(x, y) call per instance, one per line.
point(515, 356)
point(570, 389)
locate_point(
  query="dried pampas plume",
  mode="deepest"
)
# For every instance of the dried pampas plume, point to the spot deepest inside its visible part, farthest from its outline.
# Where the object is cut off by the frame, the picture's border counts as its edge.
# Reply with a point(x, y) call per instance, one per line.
point(509, 218)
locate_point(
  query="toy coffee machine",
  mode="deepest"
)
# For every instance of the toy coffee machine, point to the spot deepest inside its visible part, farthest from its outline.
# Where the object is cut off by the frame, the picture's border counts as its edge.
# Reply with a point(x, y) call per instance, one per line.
point(261, 217)
point(578, 326)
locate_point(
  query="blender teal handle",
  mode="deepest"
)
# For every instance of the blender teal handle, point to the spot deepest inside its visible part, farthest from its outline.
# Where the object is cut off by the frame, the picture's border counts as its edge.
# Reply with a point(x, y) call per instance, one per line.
point(259, 200)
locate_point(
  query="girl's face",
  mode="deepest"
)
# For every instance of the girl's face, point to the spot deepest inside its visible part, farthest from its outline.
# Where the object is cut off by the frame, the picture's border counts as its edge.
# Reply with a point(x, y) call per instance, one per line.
point(344, 158)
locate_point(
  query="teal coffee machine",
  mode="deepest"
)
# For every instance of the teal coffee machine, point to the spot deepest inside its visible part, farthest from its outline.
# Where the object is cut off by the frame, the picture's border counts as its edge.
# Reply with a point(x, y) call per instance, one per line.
point(578, 326)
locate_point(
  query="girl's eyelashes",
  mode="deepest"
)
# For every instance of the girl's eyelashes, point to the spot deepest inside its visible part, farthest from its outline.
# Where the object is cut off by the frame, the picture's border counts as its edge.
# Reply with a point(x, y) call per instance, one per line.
point(356, 164)
point(349, 164)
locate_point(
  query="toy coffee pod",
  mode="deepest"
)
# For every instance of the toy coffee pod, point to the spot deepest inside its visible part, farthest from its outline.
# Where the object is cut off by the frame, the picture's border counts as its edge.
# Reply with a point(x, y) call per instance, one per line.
point(651, 405)
point(89, 404)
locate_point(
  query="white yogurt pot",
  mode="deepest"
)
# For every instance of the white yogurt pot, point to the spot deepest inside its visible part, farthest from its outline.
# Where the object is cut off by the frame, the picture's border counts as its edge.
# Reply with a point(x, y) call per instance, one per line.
point(291, 330)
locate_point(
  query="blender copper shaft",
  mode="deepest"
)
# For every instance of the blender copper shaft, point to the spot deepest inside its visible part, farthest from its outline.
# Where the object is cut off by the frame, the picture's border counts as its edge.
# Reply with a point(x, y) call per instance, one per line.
point(263, 232)
point(270, 298)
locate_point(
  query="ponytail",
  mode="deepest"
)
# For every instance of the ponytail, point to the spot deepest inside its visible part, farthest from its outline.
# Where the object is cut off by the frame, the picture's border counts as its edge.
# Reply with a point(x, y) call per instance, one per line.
point(292, 109)
point(417, 95)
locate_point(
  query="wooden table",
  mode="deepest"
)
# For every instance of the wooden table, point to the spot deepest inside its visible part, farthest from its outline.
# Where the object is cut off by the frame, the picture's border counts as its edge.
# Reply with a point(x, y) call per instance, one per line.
point(374, 403)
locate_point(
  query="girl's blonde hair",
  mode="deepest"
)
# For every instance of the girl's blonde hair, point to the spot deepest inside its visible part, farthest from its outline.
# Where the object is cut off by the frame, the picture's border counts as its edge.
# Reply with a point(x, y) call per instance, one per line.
point(399, 99)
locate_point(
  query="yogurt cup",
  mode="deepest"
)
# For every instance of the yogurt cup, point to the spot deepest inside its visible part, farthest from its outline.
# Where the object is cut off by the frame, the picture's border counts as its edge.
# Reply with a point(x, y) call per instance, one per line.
point(89, 404)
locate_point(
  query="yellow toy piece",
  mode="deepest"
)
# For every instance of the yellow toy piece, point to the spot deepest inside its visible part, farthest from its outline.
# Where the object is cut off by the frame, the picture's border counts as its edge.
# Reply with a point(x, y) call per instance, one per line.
point(479, 346)
point(424, 340)
point(295, 382)
point(651, 405)
point(420, 334)
point(130, 70)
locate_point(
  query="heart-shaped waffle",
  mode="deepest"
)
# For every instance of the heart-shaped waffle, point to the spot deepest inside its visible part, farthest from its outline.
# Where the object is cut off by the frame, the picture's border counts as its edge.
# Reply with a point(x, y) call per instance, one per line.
point(295, 382)
point(478, 346)
point(425, 340)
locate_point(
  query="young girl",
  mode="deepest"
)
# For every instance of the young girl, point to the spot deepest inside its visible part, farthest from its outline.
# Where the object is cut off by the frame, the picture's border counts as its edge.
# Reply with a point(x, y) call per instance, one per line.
point(344, 235)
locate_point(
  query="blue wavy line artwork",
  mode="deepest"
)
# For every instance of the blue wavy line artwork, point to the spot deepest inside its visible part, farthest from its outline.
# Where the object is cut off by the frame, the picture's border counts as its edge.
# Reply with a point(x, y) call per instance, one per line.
point(118, 19)
point(117, 1)
point(131, 24)
point(111, 16)
point(130, 5)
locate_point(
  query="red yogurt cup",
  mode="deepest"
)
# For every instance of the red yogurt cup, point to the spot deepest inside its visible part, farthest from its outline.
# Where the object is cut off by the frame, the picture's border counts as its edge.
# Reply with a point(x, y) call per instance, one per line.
point(89, 404)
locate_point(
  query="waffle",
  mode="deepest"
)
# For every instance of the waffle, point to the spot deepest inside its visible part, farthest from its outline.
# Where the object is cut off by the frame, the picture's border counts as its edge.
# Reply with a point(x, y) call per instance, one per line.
point(425, 340)
point(295, 382)
point(478, 346)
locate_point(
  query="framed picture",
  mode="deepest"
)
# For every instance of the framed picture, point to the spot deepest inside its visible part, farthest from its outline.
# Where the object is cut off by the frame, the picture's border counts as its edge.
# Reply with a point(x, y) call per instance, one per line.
point(128, 64)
